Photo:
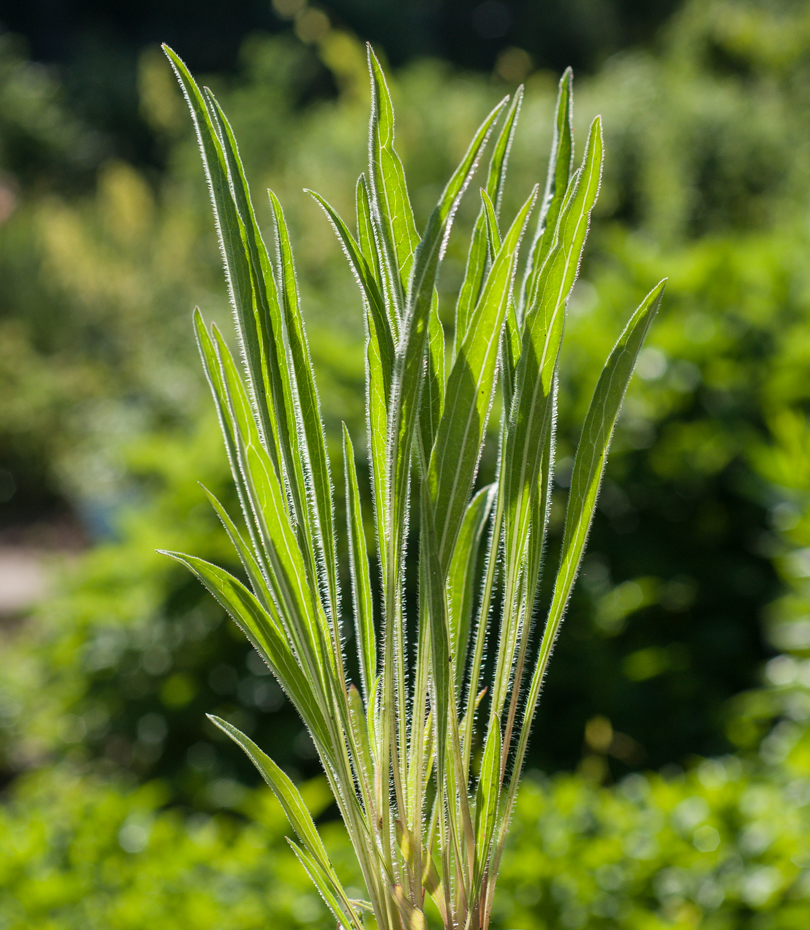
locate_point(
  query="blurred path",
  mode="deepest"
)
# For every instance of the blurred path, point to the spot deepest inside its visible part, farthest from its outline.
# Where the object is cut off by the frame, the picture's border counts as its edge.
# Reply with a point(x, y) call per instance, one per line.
point(30, 557)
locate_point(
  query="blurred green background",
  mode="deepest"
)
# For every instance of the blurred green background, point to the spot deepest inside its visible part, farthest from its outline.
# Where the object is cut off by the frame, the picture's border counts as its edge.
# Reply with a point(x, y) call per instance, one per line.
point(669, 782)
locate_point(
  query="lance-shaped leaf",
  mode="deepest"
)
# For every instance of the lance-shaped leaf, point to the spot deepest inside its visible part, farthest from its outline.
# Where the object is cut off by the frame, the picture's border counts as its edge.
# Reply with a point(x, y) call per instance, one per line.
point(433, 387)
point(434, 595)
point(283, 788)
point(258, 580)
point(540, 505)
point(542, 336)
point(267, 637)
point(312, 450)
point(390, 201)
point(493, 234)
point(486, 800)
point(411, 352)
point(241, 433)
point(298, 816)
point(299, 605)
point(320, 881)
point(421, 738)
point(491, 569)
point(272, 393)
point(449, 764)
point(382, 331)
point(478, 254)
point(589, 466)
point(213, 373)
point(358, 561)
point(462, 577)
point(378, 380)
point(470, 389)
point(531, 408)
point(288, 380)
point(559, 175)
point(369, 285)
point(251, 284)
point(366, 236)
point(510, 346)
point(364, 762)
point(510, 354)
point(231, 232)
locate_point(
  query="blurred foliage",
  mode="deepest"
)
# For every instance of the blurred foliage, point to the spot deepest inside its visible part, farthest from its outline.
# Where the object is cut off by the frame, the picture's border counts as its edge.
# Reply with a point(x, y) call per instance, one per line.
point(667, 626)
point(80, 852)
point(90, 35)
point(688, 635)
point(721, 848)
point(95, 45)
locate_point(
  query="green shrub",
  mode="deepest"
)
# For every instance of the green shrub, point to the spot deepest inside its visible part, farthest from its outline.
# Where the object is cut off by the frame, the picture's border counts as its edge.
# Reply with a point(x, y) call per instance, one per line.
point(723, 848)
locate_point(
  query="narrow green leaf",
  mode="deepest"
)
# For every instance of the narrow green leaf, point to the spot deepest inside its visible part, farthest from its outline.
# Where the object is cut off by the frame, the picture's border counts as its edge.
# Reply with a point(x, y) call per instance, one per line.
point(486, 800)
point(271, 392)
point(433, 386)
point(477, 256)
point(440, 655)
point(365, 228)
point(213, 373)
point(451, 782)
point(470, 389)
point(377, 394)
point(540, 503)
point(299, 605)
point(311, 438)
point(288, 795)
point(589, 466)
point(389, 190)
point(254, 572)
point(531, 408)
point(365, 761)
point(236, 394)
point(560, 166)
point(232, 235)
point(542, 336)
point(285, 354)
point(322, 882)
point(367, 280)
point(491, 220)
point(373, 727)
point(421, 738)
point(301, 821)
point(267, 637)
point(259, 479)
point(510, 355)
point(482, 625)
point(411, 351)
point(358, 562)
point(461, 578)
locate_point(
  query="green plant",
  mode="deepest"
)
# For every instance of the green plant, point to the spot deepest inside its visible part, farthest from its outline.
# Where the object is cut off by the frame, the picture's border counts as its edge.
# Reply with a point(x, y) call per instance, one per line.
point(422, 812)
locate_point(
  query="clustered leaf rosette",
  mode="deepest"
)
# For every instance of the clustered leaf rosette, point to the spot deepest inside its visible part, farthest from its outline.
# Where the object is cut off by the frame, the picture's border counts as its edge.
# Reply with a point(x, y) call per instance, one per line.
point(426, 823)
